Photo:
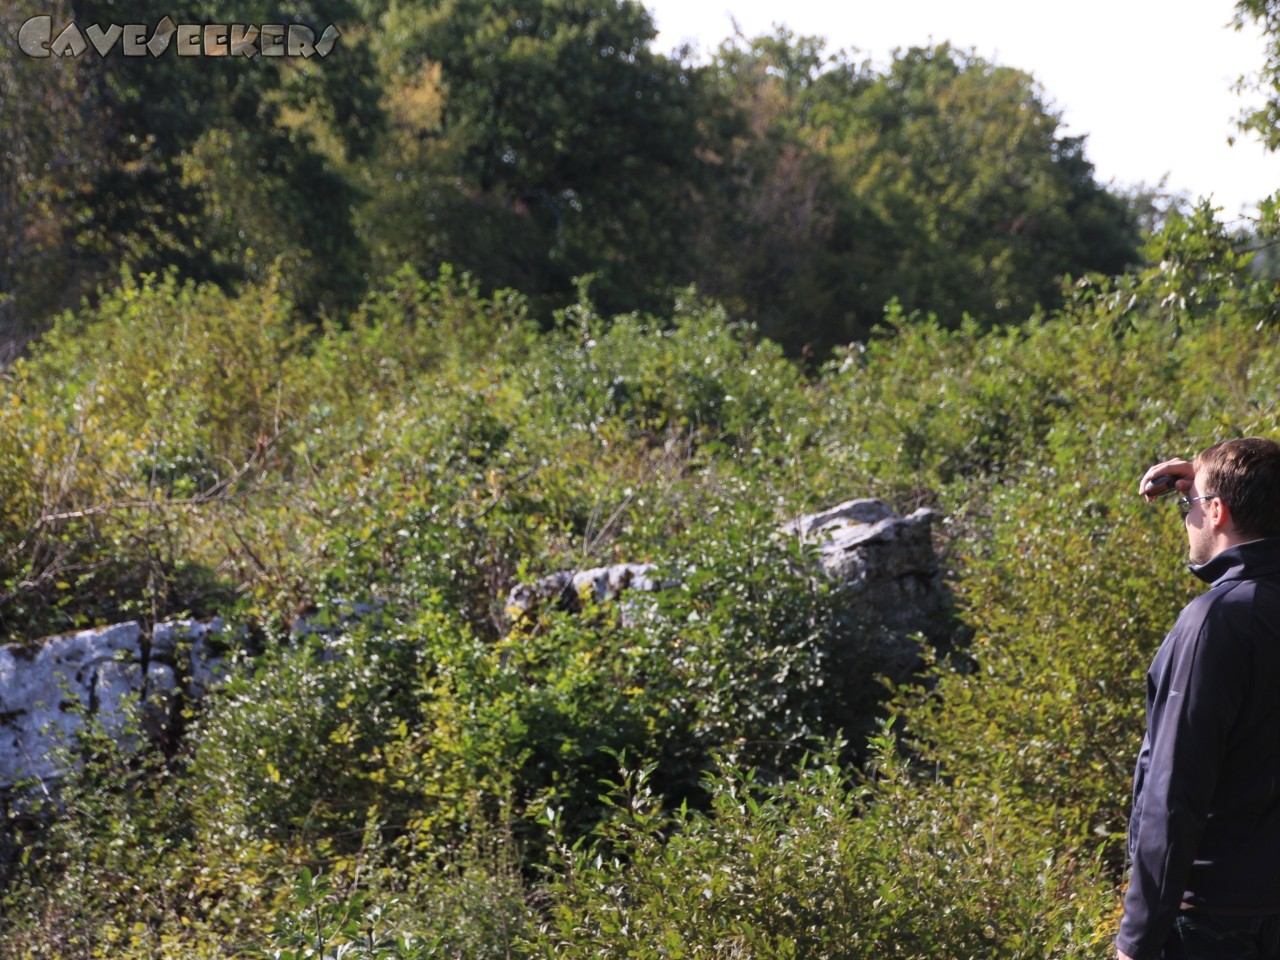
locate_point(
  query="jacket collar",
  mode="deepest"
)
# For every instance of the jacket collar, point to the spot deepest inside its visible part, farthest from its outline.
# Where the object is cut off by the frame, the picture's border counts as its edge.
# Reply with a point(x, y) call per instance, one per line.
point(1244, 561)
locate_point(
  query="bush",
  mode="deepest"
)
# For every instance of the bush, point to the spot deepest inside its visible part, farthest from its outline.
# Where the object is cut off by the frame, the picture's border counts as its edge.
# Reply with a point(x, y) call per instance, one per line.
point(824, 865)
point(439, 773)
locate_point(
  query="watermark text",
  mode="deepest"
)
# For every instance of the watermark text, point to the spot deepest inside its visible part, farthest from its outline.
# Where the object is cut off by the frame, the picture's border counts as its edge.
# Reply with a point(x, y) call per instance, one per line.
point(36, 38)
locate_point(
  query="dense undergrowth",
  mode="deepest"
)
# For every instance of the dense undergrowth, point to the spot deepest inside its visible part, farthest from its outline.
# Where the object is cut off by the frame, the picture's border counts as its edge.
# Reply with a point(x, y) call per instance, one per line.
point(671, 784)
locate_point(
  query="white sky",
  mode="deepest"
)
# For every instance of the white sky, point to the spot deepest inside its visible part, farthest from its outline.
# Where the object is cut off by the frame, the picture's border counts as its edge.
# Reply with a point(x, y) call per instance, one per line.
point(1148, 82)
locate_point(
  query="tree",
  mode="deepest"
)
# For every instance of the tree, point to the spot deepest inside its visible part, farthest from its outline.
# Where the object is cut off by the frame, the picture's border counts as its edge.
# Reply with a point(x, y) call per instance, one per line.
point(213, 166)
point(1264, 121)
point(50, 149)
point(768, 220)
point(575, 144)
point(943, 183)
point(1002, 204)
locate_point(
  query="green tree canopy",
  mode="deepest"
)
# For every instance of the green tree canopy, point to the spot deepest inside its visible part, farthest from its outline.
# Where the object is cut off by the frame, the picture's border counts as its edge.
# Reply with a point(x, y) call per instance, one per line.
point(572, 147)
point(943, 181)
point(1264, 120)
point(534, 142)
point(210, 165)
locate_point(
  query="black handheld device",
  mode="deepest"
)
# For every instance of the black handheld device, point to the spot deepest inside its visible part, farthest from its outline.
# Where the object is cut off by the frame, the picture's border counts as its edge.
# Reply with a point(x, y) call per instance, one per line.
point(1159, 486)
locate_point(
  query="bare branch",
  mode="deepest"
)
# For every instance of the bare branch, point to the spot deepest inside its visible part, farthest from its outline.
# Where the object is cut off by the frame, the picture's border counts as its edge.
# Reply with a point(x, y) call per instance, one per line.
point(218, 492)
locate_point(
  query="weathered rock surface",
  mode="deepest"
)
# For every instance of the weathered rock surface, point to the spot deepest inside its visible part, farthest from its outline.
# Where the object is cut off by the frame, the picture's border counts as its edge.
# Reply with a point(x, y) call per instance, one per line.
point(892, 593)
point(47, 692)
point(113, 673)
point(566, 589)
point(893, 582)
point(886, 559)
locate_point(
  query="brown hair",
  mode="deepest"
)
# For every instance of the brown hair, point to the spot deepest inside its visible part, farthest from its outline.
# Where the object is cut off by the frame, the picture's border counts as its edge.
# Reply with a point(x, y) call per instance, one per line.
point(1245, 473)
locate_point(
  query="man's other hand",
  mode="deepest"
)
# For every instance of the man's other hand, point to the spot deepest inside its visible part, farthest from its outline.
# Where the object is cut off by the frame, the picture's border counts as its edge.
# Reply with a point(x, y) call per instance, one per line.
point(1181, 470)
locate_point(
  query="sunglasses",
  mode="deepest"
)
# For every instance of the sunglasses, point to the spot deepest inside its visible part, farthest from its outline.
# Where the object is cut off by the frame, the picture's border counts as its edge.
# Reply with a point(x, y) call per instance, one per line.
point(1184, 504)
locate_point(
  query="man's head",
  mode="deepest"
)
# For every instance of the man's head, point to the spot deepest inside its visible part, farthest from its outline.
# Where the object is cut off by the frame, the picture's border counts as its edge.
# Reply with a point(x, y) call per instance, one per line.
point(1237, 495)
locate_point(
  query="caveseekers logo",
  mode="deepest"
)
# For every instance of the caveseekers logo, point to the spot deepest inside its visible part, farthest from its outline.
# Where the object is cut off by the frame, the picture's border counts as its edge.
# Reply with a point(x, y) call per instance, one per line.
point(36, 38)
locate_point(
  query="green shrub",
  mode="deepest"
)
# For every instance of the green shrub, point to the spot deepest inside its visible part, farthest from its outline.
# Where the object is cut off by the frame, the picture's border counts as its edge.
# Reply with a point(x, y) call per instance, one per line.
point(823, 865)
point(123, 421)
point(439, 772)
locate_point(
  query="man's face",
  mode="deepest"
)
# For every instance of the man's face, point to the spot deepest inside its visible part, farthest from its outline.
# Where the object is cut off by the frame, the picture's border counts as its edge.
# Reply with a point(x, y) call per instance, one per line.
point(1199, 534)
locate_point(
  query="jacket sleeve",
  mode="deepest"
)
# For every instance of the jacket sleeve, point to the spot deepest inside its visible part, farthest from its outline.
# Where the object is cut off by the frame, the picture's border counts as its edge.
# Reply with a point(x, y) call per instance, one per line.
point(1193, 706)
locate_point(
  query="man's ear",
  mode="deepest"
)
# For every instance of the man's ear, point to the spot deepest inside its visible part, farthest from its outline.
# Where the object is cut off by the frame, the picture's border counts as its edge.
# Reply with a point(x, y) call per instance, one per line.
point(1220, 515)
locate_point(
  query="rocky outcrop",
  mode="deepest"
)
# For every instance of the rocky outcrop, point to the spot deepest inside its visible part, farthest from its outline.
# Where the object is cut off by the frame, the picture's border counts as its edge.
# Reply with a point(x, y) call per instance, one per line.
point(567, 589)
point(121, 673)
point(892, 583)
point(885, 559)
point(891, 595)
point(110, 674)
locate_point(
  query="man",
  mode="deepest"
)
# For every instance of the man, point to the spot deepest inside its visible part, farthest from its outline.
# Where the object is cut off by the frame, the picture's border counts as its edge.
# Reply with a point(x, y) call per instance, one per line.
point(1204, 835)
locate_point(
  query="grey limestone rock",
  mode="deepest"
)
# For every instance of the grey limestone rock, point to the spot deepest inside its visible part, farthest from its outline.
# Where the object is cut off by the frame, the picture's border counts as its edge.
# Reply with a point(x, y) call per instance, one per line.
point(44, 693)
point(891, 589)
point(107, 674)
point(568, 588)
point(887, 560)
point(48, 690)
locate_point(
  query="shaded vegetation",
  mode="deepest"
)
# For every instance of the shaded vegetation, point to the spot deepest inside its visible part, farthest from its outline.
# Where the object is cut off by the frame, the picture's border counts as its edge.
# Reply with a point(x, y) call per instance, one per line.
point(536, 142)
point(671, 783)
point(283, 400)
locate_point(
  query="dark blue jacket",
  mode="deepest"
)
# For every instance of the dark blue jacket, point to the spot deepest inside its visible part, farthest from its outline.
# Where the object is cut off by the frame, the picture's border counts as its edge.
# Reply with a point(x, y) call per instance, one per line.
point(1205, 827)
